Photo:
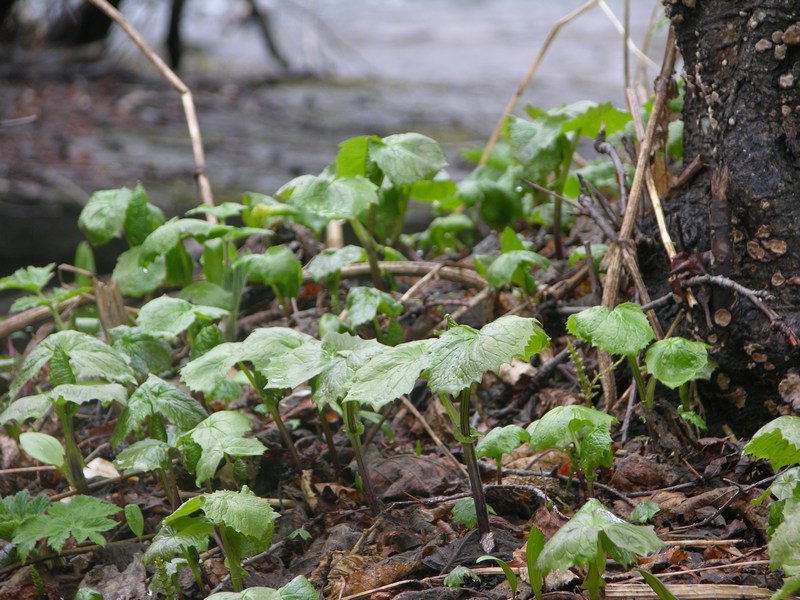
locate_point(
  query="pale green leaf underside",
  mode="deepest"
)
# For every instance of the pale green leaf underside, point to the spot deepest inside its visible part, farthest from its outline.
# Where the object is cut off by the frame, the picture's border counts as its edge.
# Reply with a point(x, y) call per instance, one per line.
point(553, 429)
point(500, 441)
point(345, 198)
point(778, 441)
point(144, 455)
point(364, 303)
point(166, 316)
point(406, 158)
point(331, 260)
point(43, 447)
point(187, 532)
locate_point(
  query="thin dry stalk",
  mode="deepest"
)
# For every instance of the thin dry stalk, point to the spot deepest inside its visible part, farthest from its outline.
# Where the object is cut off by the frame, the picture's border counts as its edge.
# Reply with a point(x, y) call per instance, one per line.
point(176, 82)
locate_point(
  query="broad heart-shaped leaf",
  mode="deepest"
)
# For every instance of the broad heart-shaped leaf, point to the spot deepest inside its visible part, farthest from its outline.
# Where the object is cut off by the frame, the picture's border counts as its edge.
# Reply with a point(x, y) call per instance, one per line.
point(103, 217)
point(591, 530)
point(345, 198)
point(30, 279)
point(539, 145)
point(500, 441)
point(364, 304)
point(18, 509)
point(277, 267)
point(167, 317)
point(389, 374)
point(172, 539)
point(141, 217)
point(144, 455)
point(778, 441)
point(205, 373)
point(596, 449)
point(157, 397)
point(220, 434)
point(553, 429)
point(406, 158)
point(624, 330)
point(784, 547)
point(89, 358)
point(676, 360)
point(331, 260)
point(299, 588)
point(83, 518)
point(585, 116)
point(43, 447)
point(135, 280)
point(171, 233)
point(241, 511)
point(462, 354)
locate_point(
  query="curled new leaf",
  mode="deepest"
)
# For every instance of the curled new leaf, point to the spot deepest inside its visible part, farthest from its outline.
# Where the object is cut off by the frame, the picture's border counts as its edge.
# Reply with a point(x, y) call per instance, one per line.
point(624, 330)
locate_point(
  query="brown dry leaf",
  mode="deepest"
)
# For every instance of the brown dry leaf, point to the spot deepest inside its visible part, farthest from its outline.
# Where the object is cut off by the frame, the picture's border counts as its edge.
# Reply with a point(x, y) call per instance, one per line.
point(552, 397)
point(128, 585)
point(667, 501)
point(351, 574)
point(402, 476)
point(518, 372)
point(712, 499)
point(20, 586)
point(637, 472)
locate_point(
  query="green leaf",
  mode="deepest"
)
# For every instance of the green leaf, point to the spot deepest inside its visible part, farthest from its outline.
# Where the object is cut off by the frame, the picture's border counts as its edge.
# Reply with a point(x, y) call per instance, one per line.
point(464, 513)
point(135, 280)
point(661, 590)
point(167, 317)
point(585, 116)
point(462, 354)
point(253, 593)
point(89, 358)
point(784, 547)
point(692, 418)
point(157, 397)
point(500, 441)
point(458, 577)
point(19, 509)
point(135, 519)
point(595, 450)
point(346, 198)
point(553, 429)
point(510, 575)
point(407, 157)
point(352, 159)
point(170, 235)
point(147, 353)
point(389, 374)
point(180, 534)
point(342, 355)
point(624, 330)
point(331, 260)
point(778, 441)
point(443, 194)
point(103, 217)
point(786, 485)
point(208, 294)
point(579, 255)
point(644, 511)
point(533, 548)
point(30, 279)
point(242, 511)
point(84, 518)
point(223, 211)
point(676, 360)
point(27, 407)
point(205, 373)
point(278, 267)
point(591, 530)
point(220, 434)
point(512, 266)
point(43, 447)
point(141, 217)
point(144, 455)
point(86, 593)
point(364, 304)
point(299, 588)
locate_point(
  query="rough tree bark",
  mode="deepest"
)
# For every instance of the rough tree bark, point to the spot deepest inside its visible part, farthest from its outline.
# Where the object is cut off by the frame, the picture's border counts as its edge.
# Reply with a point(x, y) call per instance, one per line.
point(742, 113)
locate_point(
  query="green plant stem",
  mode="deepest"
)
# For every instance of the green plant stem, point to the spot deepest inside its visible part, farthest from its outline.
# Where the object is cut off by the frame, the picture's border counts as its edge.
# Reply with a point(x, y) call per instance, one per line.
point(194, 566)
point(73, 469)
point(637, 376)
point(53, 307)
point(270, 401)
point(649, 398)
point(353, 428)
point(326, 431)
point(372, 253)
point(234, 559)
point(471, 461)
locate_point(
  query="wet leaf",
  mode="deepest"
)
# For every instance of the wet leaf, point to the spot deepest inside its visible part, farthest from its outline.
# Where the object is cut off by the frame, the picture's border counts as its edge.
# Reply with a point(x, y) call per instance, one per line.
point(345, 198)
point(676, 360)
point(462, 354)
point(168, 317)
point(553, 429)
point(778, 441)
point(136, 280)
point(624, 330)
point(103, 217)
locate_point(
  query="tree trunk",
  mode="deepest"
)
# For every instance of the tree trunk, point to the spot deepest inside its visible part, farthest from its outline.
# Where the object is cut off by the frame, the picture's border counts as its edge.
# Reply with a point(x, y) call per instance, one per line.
point(742, 114)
